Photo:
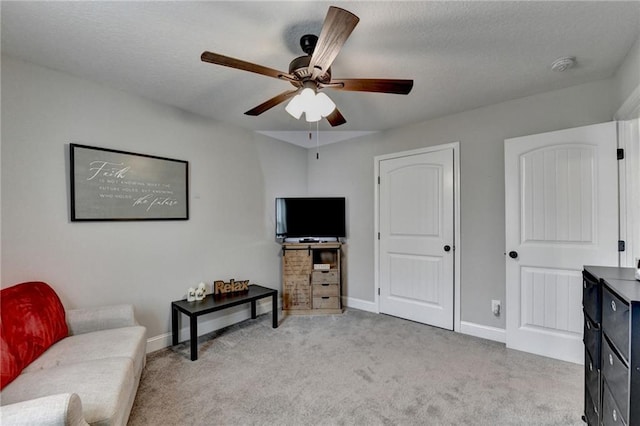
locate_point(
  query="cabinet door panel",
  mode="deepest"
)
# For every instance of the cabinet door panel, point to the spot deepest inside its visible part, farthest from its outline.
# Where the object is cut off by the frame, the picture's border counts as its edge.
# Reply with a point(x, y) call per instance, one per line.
point(591, 377)
point(611, 413)
point(591, 297)
point(592, 340)
point(615, 321)
point(616, 374)
point(296, 292)
point(591, 409)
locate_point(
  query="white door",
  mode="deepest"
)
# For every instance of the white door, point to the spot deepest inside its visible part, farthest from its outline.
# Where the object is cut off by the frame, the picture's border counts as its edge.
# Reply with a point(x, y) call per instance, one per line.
point(416, 237)
point(561, 213)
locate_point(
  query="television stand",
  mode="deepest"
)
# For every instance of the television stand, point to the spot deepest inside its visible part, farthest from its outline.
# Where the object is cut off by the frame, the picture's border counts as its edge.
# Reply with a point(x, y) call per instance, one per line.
point(312, 278)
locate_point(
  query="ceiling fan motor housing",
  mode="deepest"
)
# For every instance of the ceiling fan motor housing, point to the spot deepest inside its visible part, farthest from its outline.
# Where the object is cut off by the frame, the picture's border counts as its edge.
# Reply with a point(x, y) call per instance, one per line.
point(299, 67)
point(308, 43)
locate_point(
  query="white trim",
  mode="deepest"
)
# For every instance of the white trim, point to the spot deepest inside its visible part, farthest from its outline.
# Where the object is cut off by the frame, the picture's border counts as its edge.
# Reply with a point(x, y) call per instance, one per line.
point(158, 342)
point(630, 109)
point(363, 305)
point(628, 173)
point(232, 316)
point(629, 200)
point(455, 146)
point(484, 331)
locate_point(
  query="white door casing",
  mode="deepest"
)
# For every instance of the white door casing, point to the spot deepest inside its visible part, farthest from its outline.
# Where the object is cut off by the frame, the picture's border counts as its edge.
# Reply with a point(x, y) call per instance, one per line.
point(416, 221)
point(629, 180)
point(561, 202)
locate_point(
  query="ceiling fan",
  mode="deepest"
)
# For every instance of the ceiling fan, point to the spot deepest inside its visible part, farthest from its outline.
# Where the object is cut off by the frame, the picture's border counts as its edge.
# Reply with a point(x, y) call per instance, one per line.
point(313, 71)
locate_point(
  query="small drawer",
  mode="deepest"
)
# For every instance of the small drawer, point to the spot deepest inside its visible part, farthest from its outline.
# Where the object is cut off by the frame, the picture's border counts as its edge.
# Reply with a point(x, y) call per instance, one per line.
point(591, 297)
point(324, 277)
point(591, 410)
point(326, 302)
point(326, 290)
point(591, 377)
point(592, 340)
point(615, 321)
point(616, 373)
point(611, 414)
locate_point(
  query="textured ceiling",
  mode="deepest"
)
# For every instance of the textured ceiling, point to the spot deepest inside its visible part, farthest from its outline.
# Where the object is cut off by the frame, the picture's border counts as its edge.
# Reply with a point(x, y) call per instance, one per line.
point(462, 55)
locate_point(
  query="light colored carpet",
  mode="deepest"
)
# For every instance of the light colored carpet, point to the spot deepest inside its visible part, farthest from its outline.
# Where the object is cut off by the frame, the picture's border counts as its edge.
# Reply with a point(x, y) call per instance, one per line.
point(357, 368)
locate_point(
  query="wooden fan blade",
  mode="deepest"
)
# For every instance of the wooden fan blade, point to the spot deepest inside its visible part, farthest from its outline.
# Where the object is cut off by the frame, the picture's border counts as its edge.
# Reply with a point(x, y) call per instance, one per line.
point(336, 118)
point(337, 26)
point(227, 61)
point(267, 105)
point(380, 85)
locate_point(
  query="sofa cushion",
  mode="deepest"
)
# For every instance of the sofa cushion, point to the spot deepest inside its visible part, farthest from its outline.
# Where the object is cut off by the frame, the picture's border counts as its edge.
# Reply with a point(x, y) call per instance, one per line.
point(32, 320)
point(106, 388)
point(118, 342)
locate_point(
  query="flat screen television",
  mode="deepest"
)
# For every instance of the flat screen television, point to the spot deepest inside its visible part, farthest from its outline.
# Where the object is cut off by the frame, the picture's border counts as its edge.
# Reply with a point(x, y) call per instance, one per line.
point(310, 218)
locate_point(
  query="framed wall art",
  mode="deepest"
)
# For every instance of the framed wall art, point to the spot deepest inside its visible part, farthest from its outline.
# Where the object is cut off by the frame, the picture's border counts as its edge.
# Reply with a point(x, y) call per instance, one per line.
point(108, 185)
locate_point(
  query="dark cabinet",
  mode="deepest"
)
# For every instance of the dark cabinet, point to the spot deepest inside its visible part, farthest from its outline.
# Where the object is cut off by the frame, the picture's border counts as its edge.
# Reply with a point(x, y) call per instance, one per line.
point(611, 302)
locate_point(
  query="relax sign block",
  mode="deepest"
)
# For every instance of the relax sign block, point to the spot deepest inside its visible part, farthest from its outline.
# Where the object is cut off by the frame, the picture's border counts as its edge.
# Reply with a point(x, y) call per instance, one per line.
point(233, 286)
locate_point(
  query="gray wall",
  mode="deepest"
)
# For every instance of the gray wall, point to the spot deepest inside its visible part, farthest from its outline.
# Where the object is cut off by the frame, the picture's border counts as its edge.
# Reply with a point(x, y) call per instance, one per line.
point(348, 169)
point(627, 77)
point(234, 177)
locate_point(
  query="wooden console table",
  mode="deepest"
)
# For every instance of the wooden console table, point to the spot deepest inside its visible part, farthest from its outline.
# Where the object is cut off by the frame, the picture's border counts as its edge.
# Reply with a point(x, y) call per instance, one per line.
point(210, 304)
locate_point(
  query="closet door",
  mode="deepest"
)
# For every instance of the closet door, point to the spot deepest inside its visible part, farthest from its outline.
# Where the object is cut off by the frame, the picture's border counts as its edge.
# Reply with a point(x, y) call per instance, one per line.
point(561, 213)
point(416, 223)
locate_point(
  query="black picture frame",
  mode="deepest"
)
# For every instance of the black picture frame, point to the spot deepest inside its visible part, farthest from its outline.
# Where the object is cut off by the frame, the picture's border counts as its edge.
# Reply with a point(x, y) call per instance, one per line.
point(112, 185)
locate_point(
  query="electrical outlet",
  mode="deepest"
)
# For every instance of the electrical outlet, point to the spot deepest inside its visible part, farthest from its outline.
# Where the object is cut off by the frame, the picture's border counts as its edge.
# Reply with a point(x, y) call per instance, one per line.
point(495, 307)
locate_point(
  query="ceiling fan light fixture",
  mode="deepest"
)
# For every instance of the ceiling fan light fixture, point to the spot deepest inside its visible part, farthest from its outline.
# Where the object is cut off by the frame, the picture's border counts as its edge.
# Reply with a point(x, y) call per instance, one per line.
point(324, 104)
point(314, 105)
point(312, 116)
point(295, 107)
point(307, 95)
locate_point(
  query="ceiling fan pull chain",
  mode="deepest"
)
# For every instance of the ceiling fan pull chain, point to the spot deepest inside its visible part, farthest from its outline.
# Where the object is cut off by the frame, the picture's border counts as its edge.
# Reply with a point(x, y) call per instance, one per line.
point(317, 141)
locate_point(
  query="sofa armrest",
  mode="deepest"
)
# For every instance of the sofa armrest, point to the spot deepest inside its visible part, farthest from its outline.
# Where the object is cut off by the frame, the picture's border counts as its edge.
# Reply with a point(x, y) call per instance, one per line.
point(100, 318)
point(63, 409)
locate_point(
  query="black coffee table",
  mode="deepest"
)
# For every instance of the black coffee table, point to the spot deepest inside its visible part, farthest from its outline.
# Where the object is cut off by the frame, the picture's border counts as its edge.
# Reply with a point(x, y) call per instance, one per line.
point(212, 304)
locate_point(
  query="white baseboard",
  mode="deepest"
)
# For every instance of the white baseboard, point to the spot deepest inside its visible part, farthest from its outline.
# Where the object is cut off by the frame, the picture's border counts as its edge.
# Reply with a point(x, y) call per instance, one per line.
point(472, 329)
point(223, 319)
point(242, 313)
point(483, 331)
point(363, 305)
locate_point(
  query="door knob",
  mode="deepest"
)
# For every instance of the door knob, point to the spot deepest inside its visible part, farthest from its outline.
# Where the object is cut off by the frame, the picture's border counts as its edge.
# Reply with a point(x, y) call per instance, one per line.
point(513, 254)
point(447, 248)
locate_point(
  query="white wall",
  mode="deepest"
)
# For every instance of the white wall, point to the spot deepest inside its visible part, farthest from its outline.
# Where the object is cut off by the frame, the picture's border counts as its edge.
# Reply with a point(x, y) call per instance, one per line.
point(348, 169)
point(234, 177)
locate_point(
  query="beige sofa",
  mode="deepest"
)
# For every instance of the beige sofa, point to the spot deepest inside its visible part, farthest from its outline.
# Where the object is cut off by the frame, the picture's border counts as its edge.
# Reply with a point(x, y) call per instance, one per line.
point(89, 377)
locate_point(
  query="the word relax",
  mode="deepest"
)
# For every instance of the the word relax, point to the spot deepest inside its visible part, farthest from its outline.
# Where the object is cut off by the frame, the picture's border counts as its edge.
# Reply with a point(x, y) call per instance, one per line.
point(220, 287)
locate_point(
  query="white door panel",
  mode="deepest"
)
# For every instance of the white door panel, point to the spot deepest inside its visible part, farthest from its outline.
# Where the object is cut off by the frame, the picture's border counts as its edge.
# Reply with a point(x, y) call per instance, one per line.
point(561, 213)
point(416, 222)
